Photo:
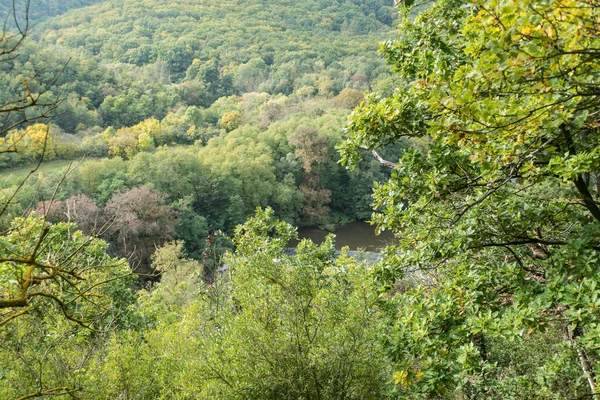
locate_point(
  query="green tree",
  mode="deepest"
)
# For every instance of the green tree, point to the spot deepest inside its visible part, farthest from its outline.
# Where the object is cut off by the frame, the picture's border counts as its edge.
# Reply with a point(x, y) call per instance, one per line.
point(312, 149)
point(497, 217)
point(44, 266)
point(273, 326)
point(60, 293)
point(251, 75)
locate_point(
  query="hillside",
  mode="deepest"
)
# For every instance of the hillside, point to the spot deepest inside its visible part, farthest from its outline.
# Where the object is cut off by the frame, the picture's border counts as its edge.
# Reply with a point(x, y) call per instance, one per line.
point(160, 160)
point(118, 63)
point(234, 81)
point(142, 31)
point(40, 10)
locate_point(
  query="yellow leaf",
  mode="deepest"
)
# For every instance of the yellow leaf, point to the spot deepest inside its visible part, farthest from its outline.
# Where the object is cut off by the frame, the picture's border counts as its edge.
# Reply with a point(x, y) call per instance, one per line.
point(401, 378)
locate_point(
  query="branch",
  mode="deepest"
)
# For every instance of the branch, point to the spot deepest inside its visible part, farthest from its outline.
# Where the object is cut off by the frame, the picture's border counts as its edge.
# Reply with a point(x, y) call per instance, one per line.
point(524, 242)
point(386, 163)
point(587, 198)
point(579, 182)
point(59, 391)
point(12, 303)
point(63, 308)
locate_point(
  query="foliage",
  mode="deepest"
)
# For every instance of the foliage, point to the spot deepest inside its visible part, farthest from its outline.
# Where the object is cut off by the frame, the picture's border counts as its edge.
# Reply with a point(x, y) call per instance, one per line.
point(348, 98)
point(42, 9)
point(230, 120)
point(497, 217)
point(275, 326)
point(45, 266)
point(312, 150)
point(139, 221)
point(116, 63)
point(59, 294)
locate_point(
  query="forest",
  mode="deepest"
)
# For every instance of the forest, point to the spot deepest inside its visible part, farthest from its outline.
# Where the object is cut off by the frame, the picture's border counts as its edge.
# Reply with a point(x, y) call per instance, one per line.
point(157, 160)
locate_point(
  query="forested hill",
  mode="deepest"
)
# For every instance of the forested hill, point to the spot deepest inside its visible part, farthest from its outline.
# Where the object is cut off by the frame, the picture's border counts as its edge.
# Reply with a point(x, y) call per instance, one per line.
point(231, 31)
point(41, 9)
point(159, 140)
point(243, 100)
point(127, 61)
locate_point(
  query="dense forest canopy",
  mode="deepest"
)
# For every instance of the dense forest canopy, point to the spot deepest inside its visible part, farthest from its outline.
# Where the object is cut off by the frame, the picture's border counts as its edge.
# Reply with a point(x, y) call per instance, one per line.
point(118, 63)
point(157, 157)
point(39, 10)
point(140, 32)
point(132, 77)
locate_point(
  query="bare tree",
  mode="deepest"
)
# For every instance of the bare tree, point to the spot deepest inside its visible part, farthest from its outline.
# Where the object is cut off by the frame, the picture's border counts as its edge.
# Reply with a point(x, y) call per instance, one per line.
point(140, 221)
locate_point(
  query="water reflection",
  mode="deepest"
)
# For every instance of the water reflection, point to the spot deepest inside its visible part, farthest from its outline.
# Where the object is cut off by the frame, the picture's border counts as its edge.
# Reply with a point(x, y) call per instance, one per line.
point(355, 235)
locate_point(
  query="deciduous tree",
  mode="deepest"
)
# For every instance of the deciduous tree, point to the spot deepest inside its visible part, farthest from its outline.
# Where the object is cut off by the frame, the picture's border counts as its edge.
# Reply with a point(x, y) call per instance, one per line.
point(56, 266)
point(498, 218)
point(139, 221)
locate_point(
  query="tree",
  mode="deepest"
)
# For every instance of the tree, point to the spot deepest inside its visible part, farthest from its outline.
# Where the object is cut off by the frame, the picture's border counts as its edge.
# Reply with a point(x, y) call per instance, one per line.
point(181, 280)
point(139, 221)
point(99, 179)
point(121, 143)
point(273, 326)
point(191, 228)
point(39, 140)
point(31, 101)
point(43, 263)
point(59, 294)
point(348, 98)
point(145, 142)
point(230, 120)
point(251, 75)
point(35, 100)
point(498, 218)
point(82, 210)
point(79, 209)
point(312, 149)
point(244, 172)
point(53, 265)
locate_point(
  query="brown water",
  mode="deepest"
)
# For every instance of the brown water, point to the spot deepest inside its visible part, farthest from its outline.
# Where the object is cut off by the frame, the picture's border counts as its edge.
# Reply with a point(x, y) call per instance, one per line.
point(355, 235)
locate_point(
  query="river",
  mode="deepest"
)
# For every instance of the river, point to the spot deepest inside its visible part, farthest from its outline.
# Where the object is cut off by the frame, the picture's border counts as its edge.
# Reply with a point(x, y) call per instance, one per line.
point(355, 235)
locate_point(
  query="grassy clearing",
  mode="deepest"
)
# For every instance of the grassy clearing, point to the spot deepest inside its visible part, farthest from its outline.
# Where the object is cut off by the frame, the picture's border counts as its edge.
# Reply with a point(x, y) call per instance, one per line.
point(13, 177)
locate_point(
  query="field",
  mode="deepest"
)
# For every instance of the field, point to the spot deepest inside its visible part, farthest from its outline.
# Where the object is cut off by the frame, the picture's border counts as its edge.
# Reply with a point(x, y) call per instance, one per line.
point(15, 176)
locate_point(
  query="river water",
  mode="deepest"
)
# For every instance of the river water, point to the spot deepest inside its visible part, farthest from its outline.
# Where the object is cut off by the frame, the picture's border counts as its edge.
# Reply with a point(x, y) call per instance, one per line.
point(355, 235)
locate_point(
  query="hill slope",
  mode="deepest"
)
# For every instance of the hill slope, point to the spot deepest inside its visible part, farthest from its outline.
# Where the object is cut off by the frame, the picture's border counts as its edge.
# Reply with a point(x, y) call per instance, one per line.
point(40, 10)
point(177, 32)
point(130, 60)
